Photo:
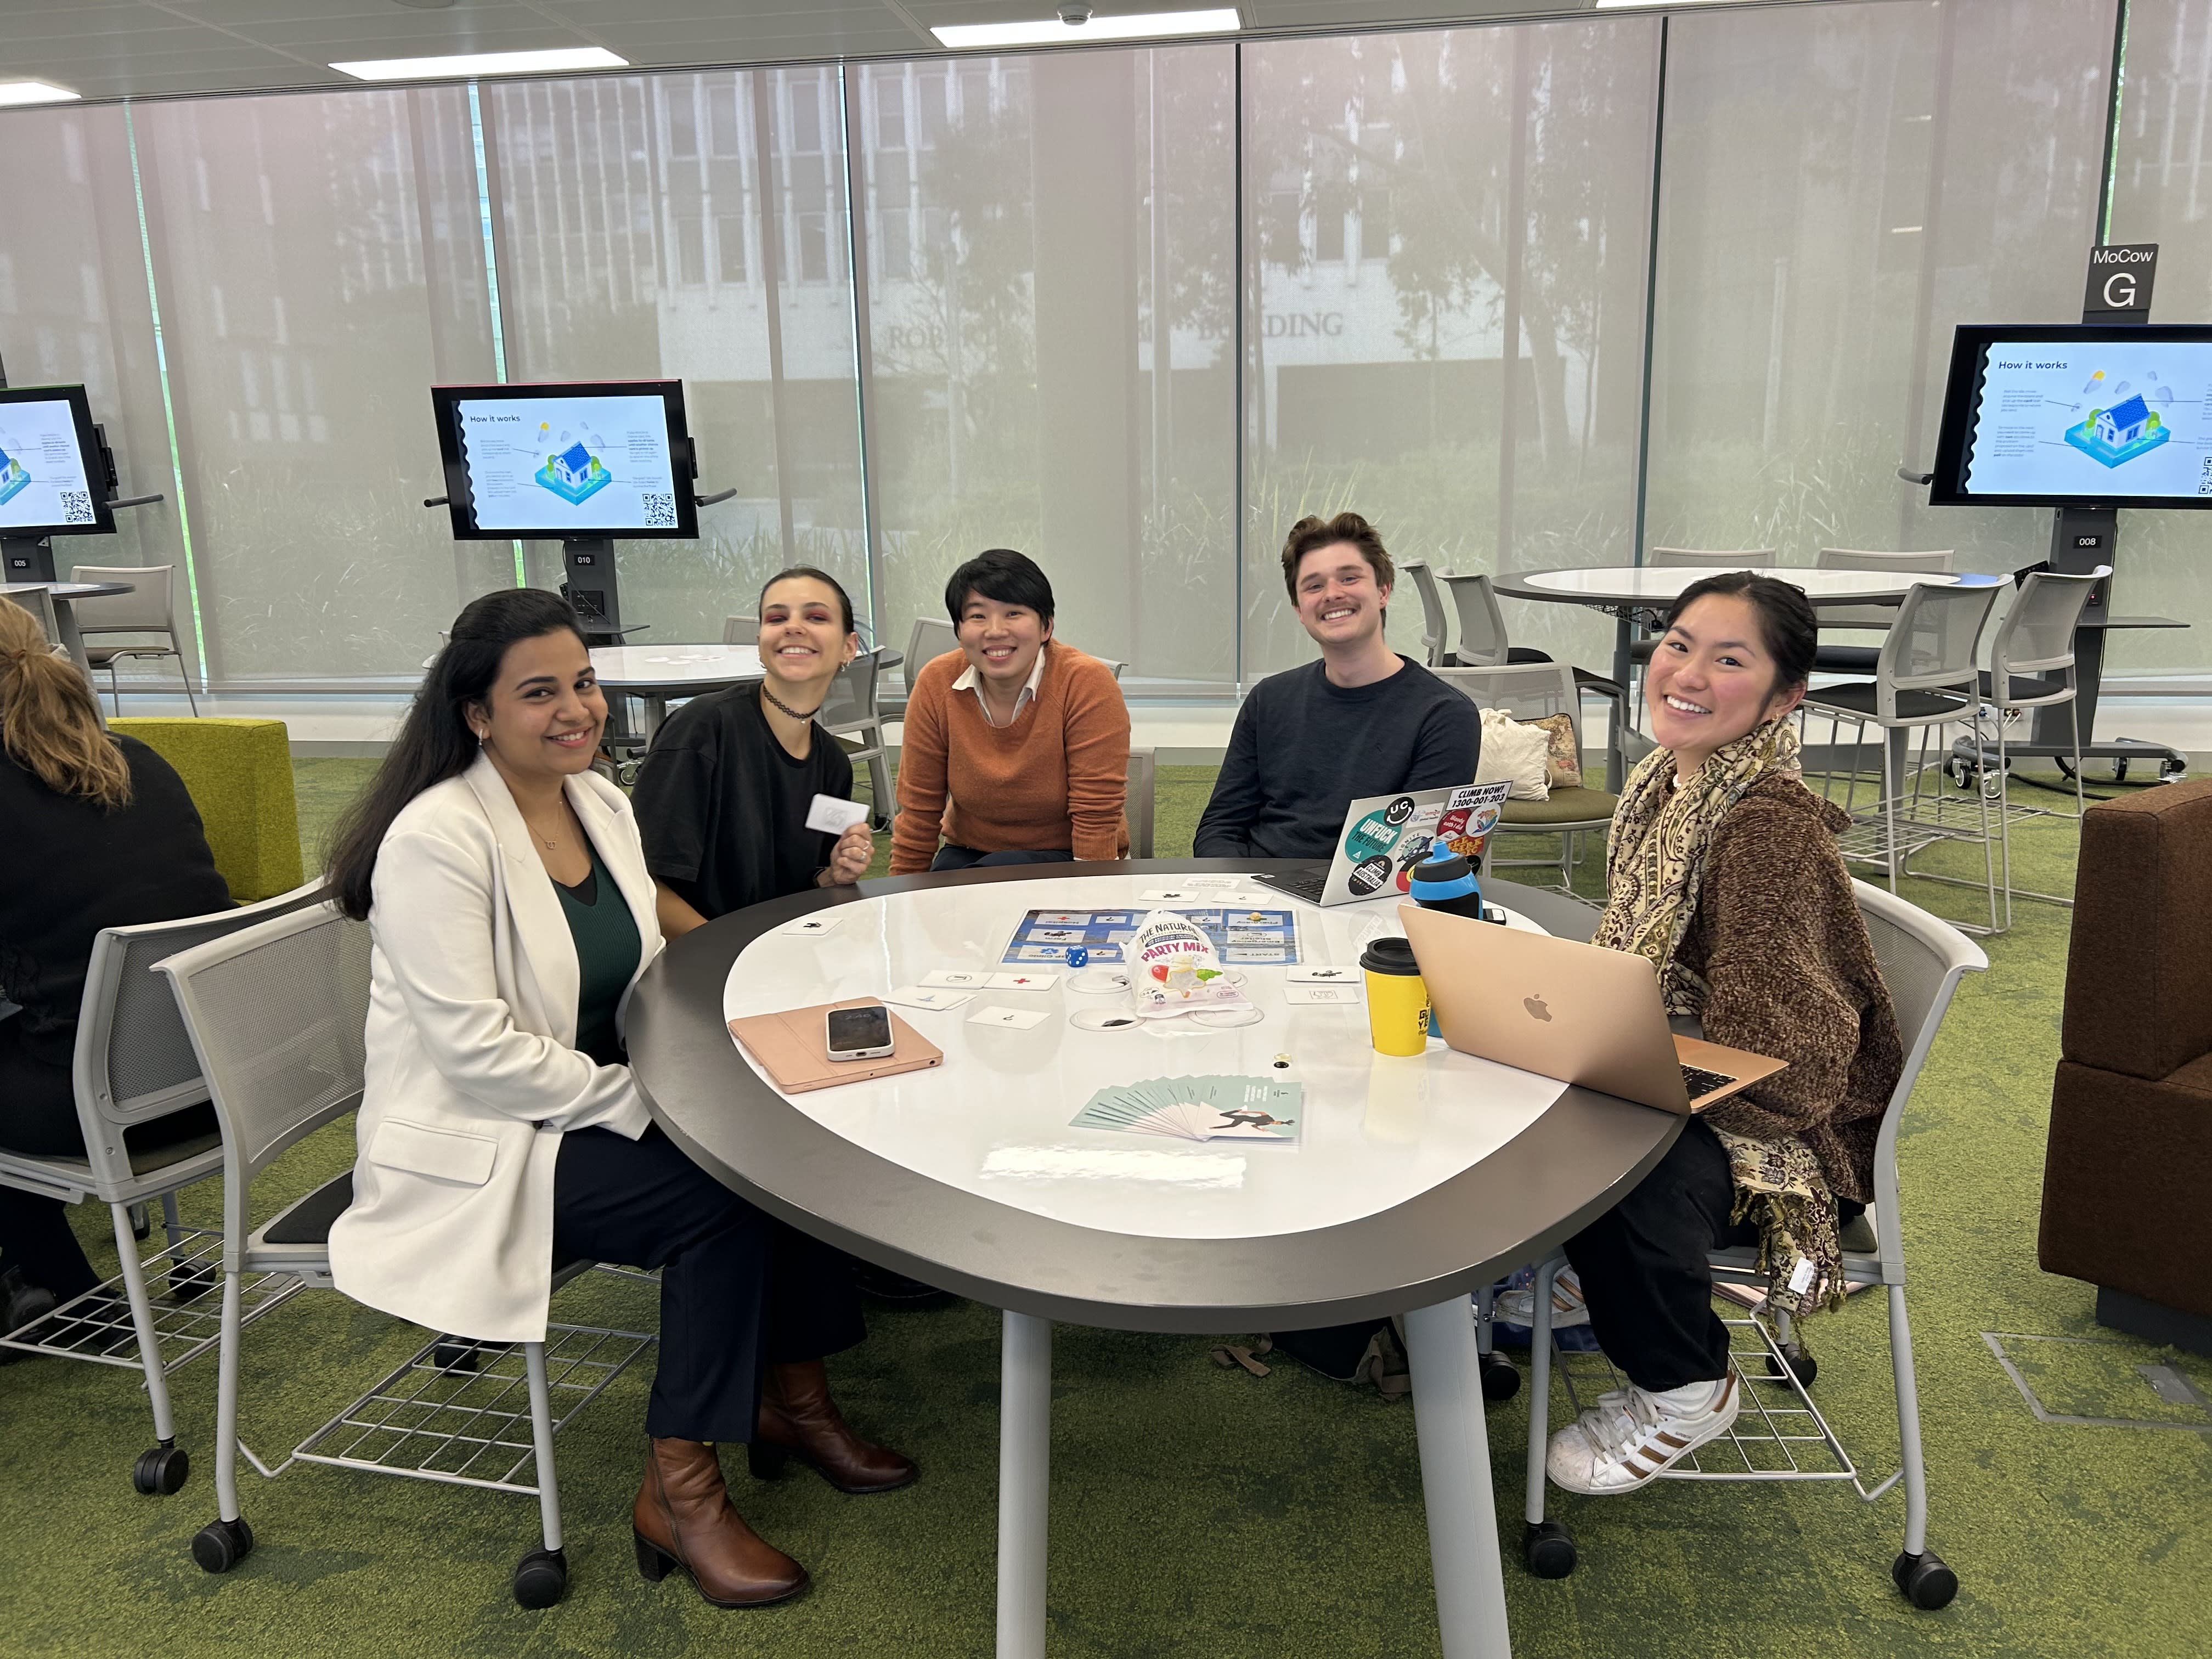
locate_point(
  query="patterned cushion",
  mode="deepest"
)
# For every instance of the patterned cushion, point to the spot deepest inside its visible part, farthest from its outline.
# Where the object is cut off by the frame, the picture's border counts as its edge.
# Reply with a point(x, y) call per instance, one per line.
point(1563, 762)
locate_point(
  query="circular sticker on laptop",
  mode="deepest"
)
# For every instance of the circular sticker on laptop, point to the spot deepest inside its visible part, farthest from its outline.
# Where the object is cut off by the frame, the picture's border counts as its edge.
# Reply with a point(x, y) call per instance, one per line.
point(1368, 876)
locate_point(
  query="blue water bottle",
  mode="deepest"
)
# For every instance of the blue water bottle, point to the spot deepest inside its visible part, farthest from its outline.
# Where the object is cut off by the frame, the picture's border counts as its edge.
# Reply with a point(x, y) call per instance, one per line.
point(1445, 881)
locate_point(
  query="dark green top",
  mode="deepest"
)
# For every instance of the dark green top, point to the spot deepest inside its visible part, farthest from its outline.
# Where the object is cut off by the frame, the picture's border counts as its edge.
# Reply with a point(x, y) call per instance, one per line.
point(607, 946)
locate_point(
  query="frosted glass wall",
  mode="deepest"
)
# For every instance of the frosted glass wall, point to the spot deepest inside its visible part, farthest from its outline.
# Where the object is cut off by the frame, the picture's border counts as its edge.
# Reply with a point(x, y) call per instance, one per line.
point(923, 308)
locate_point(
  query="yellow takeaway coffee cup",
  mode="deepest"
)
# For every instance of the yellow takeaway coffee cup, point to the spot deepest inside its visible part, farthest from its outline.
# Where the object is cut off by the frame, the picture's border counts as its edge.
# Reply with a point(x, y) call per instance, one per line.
point(1397, 998)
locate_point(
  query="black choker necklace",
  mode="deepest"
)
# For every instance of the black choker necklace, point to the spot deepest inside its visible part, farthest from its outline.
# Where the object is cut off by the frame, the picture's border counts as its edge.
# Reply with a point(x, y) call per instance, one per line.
point(797, 715)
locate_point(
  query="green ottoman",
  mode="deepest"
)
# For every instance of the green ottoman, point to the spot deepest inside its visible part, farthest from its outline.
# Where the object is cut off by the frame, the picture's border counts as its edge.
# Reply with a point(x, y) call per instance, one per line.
point(239, 773)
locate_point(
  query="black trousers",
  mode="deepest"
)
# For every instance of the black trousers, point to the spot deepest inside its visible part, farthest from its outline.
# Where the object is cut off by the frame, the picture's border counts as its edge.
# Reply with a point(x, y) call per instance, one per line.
point(739, 1291)
point(949, 857)
point(1644, 1269)
point(38, 1115)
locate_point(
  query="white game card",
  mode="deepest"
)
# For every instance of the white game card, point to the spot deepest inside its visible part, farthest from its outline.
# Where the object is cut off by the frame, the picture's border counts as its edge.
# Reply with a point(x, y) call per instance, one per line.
point(819, 922)
point(1312, 995)
point(1012, 1019)
point(833, 817)
point(1023, 982)
point(958, 978)
point(1320, 974)
point(922, 996)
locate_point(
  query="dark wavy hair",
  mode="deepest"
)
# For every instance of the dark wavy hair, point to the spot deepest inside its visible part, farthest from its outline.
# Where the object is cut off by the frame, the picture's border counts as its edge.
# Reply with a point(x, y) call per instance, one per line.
point(434, 742)
point(1786, 620)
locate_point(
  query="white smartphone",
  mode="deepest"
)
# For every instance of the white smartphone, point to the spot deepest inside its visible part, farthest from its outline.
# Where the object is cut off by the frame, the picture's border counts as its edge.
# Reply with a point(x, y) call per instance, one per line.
point(861, 1033)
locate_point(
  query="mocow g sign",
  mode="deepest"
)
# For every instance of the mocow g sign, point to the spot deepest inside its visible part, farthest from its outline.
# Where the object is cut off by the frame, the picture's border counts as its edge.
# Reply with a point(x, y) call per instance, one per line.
point(2120, 283)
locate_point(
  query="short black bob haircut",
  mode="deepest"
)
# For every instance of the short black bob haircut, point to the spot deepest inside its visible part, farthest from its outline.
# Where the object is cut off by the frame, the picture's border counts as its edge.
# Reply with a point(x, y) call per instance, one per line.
point(1001, 574)
point(1787, 622)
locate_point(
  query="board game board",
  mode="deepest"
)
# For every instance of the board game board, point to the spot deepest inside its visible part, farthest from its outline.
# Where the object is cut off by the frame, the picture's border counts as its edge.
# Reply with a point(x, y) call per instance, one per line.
point(1241, 935)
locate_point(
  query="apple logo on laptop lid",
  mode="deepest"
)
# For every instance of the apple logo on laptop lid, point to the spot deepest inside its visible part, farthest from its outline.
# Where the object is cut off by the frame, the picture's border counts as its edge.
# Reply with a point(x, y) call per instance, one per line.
point(1536, 1009)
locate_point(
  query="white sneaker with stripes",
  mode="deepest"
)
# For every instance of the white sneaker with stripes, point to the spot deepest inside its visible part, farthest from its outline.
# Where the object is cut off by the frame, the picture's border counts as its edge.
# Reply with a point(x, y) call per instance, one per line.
point(1631, 1434)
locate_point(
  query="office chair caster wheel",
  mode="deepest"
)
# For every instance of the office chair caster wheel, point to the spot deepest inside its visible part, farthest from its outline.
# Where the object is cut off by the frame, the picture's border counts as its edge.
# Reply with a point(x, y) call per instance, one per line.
point(221, 1545)
point(1501, 1378)
point(457, 1357)
point(1924, 1581)
point(160, 1470)
point(189, 1284)
point(1549, 1549)
point(541, 1579)
point(1800, 1362)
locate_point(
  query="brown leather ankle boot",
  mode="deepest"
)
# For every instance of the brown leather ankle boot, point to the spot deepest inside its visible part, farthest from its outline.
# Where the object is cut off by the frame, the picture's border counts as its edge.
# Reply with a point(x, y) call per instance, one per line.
point(798, 1419)
point(683, 1518)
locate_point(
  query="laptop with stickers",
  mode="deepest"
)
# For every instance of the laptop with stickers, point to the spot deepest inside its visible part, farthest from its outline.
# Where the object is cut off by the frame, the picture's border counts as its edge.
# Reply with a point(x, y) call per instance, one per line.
point(1384, 836)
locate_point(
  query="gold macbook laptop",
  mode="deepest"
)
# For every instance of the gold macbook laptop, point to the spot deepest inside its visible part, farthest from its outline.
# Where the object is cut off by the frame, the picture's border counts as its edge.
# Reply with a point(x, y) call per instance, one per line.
point(1577, 1012)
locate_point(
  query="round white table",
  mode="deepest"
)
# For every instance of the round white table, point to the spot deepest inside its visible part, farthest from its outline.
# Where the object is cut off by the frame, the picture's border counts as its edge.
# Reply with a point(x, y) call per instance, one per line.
point(651, 674)
point(1415, 1180)
point(62, 595)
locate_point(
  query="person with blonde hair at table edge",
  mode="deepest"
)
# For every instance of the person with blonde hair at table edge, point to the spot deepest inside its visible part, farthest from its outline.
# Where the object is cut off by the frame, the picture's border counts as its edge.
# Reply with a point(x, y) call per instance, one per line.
point(1017, 746)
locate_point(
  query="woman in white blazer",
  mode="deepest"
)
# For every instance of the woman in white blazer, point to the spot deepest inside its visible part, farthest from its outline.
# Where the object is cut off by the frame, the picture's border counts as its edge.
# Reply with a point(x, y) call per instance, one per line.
point(500, 1126)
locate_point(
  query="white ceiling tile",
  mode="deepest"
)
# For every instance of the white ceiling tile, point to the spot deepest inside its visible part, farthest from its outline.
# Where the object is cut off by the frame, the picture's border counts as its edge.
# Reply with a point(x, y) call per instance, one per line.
point(412, 37)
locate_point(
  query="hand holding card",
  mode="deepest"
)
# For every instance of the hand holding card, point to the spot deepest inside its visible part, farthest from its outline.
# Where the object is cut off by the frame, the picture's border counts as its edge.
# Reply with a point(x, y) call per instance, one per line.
point(833, 817)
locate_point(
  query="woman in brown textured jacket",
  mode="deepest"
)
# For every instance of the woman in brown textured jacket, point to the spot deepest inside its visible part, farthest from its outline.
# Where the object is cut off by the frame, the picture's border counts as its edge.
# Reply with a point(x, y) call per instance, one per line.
point(1724, 871)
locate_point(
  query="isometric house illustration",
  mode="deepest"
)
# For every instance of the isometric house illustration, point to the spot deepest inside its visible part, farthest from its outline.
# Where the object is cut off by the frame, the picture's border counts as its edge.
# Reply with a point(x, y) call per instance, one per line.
point(2119, 434)
point(573, 474)
point(13, 479)
point(2123, 424)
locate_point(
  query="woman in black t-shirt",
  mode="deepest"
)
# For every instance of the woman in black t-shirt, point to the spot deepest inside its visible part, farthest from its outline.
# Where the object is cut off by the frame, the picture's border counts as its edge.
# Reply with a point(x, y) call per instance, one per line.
point(101, 834)
point(722, 799)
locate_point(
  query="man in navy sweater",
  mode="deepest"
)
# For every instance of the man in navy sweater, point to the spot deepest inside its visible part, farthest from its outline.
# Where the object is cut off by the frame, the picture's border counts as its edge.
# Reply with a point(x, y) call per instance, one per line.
point(1362, 721)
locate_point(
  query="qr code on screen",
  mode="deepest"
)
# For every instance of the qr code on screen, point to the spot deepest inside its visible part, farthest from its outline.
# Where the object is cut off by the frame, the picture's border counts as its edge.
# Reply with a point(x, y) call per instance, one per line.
point(660, 511)
point(76, 506)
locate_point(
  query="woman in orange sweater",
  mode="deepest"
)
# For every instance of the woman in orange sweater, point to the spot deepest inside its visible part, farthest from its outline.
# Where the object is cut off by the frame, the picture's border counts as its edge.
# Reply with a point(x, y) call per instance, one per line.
point(1016, 747)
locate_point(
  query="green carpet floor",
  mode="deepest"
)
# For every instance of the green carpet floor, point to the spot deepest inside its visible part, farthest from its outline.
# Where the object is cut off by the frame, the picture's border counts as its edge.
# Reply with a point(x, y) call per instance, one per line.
point(1195, 1510)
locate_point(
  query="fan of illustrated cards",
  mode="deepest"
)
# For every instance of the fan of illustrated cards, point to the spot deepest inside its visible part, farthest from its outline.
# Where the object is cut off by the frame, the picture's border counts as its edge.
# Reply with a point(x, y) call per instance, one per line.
point(1198, 1108)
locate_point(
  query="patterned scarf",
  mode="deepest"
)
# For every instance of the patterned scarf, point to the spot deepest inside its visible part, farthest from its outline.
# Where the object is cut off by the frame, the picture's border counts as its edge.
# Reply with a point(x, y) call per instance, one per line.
point(1654, 868)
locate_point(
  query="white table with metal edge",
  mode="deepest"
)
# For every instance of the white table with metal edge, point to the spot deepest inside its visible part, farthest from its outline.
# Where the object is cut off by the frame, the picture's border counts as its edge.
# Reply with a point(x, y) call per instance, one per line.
point(651, 674)
point(1416, 1180)
point(63, 594)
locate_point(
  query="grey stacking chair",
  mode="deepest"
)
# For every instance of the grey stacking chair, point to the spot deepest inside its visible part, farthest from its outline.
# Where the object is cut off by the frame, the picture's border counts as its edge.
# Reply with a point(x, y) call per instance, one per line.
point(1715, 558)
point(1531, 691)
point(149, 608)
point(134, 1067)
point(933, 636)
point(1922, 959)
point(851, 713)
point(740, 630)
point(276, 1017)
point(1436, 631)
point(2031, 666)
point(41, 605)
point(1139, 807)
point(1925, 678)
point(1860, 658)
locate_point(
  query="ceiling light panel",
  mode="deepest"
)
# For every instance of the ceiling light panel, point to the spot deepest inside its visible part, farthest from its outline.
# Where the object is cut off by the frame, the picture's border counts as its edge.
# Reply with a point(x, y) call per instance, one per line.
point(1051, 31)
point(562, 61)
point(33, 92)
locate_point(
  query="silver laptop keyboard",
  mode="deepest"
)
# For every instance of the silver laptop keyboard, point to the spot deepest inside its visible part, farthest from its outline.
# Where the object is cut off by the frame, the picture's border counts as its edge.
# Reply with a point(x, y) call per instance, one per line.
point(1307, 884)
point(1701, 1084)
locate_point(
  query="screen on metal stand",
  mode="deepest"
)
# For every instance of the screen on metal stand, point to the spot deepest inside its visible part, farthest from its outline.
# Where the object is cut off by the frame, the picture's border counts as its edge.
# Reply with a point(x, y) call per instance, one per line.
point(2095, 415)
point(576, 460)
point(53, 477)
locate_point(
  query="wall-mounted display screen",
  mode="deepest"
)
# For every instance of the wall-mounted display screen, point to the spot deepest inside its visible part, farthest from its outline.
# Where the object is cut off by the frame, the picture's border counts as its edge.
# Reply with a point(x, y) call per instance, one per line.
point(577, 459)
point(51, 476)
point(2102, 415)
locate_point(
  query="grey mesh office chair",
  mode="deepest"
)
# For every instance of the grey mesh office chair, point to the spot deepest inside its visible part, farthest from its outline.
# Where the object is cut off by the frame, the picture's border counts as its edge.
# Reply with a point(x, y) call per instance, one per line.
point(133, 1068)
point(933, 636)
point(149, 608)
point(1436, 630)
point(1922, 959)
point(851, 713)
point(1925, 678)
point(740, 630)
point(275, 1015)
point(1841, 658)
